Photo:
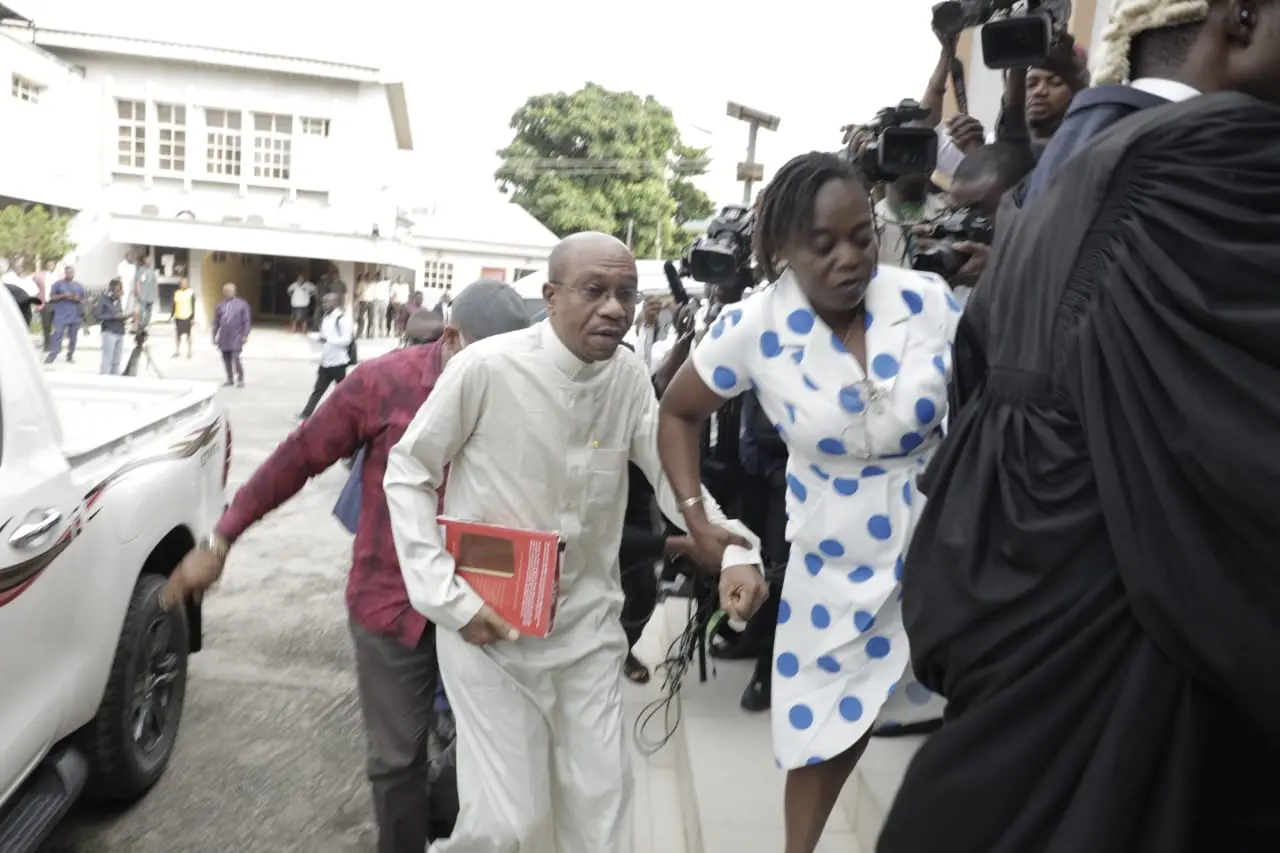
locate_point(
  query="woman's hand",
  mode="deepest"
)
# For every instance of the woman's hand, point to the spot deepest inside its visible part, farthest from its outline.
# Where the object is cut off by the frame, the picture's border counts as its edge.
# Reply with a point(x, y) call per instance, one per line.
point(710, 541)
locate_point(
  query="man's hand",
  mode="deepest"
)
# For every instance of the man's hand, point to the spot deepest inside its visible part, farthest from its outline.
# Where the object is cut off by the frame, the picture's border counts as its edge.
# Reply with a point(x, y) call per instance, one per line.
point(966, 132)
point(198, 571)
point(972, 270)
point(487, 627)
point(684, 320)
point(709, 542)
point(950, 43)
point(742, 591)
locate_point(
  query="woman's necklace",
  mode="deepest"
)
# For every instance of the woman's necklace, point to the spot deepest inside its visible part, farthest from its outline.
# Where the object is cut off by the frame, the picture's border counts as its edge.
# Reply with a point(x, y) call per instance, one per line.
point(873, 395)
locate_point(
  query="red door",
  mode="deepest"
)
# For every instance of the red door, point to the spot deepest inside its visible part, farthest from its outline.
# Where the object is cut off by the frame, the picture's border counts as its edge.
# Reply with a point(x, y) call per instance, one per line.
point(494, 274)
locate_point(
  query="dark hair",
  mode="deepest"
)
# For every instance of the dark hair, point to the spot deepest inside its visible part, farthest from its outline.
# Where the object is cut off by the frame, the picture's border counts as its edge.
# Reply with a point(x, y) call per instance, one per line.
point(784, 210)
point(1163, 51)
point(1008, 163)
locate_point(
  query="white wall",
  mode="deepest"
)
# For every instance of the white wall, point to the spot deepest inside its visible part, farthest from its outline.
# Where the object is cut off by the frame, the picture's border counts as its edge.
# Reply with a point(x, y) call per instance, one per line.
point(48, 153)
point(335, 182)
point(467, 265)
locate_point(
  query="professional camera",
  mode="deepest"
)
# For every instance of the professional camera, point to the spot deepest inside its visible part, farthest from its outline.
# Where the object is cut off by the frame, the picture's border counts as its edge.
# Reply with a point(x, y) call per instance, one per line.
point(1022, 37)
point(961, 227)
point(896, 150)
point(723, 256)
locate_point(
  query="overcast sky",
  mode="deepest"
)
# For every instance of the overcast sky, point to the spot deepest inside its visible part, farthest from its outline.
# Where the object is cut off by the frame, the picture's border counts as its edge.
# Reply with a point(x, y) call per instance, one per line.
point(818, 64)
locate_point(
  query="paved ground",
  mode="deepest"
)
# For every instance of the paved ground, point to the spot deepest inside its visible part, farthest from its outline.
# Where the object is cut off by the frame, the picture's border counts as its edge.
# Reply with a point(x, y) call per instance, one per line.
point(270, 754)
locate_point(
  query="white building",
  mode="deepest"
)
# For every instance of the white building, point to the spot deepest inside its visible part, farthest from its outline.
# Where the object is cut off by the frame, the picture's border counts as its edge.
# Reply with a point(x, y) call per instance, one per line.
point(223, 164)
point(482, 238)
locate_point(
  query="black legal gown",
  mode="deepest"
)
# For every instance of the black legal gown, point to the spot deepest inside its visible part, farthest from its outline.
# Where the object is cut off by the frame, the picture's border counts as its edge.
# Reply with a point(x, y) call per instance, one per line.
point(1095, 583)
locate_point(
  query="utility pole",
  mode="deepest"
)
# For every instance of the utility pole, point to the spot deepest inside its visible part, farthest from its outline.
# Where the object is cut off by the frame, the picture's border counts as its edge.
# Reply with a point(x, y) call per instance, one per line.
point(749, 171)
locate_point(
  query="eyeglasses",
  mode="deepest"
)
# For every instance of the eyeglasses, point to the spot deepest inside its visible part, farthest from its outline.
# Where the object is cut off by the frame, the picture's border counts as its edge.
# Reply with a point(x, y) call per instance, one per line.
point(627, 297)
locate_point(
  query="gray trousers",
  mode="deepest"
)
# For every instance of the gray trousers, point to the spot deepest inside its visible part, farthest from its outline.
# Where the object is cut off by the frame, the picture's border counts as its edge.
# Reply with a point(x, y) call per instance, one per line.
point(397, 688)
point(112, 347)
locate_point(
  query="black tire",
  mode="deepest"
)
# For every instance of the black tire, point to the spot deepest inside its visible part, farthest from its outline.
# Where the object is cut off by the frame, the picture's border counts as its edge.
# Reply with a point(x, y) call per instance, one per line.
point(128, 749)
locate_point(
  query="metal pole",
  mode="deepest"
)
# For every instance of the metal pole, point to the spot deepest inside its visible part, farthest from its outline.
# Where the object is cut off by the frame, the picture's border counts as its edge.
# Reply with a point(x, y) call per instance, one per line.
point(751, 159)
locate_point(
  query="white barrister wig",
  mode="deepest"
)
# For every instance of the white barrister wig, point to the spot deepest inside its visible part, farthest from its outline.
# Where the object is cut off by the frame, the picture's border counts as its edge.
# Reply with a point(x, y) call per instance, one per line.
point(1132, 18)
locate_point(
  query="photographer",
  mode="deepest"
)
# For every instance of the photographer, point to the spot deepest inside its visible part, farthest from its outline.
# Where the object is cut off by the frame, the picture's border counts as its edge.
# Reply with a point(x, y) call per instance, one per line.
point(1036, 99)
point(958, 246)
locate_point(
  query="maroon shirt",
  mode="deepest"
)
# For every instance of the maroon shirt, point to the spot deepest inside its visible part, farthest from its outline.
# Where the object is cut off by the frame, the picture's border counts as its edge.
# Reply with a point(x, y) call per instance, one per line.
point(373, 406)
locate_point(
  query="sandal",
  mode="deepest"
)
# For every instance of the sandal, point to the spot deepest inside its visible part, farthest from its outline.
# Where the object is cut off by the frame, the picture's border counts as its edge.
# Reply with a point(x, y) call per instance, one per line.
point(634, 670)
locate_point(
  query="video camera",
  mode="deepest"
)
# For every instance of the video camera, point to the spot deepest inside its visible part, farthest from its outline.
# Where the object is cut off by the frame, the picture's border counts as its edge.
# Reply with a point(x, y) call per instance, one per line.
point(961, 227)
point(722, 257)
point(895, 150)
point(1022, 37)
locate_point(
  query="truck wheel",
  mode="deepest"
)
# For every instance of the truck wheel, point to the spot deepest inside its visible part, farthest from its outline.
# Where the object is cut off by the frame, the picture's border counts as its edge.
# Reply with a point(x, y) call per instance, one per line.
point(131, 738)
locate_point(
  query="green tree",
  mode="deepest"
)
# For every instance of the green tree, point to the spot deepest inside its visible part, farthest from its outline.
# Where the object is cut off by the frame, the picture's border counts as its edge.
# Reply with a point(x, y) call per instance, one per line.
point(597, 160)
point(31, 235)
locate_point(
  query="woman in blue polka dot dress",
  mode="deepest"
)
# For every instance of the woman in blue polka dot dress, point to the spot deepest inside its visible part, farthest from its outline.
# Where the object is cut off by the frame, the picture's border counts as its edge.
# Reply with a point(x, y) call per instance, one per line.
point(851, 362)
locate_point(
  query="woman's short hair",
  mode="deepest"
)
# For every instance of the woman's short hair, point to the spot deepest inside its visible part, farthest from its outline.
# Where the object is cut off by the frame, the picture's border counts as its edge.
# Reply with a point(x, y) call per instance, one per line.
point(784, 210)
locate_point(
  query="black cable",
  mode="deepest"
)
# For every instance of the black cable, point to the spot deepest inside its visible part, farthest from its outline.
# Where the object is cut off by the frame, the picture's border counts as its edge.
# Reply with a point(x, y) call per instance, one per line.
point(680, 656)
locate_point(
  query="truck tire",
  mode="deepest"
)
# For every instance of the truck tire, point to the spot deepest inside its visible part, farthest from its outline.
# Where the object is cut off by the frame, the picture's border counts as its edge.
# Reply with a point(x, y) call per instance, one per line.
point(130, 740)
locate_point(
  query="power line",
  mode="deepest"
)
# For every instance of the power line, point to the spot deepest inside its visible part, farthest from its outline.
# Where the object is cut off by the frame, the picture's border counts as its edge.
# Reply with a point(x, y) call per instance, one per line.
point(586, 166)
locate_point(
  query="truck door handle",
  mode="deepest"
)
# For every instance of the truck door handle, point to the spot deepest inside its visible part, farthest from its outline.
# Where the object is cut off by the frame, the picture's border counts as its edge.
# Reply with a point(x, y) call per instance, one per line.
point(31, 532)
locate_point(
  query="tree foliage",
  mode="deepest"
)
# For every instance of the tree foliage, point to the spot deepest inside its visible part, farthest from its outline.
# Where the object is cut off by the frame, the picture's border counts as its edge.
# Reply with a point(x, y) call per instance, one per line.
point(597, 160)
point(31, 235)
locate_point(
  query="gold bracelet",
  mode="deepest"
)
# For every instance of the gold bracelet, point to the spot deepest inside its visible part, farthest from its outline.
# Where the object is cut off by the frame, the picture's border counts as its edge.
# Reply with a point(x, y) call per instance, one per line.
point(689, 503)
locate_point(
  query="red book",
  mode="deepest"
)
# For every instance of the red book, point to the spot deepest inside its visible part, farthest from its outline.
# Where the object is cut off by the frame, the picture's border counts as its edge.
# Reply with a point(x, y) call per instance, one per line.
point(515, 571)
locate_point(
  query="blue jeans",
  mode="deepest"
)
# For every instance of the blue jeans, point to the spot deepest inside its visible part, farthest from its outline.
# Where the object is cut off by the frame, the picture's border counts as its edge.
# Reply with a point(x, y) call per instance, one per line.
point(112, 348)
point(71, 330)
point(144, 313)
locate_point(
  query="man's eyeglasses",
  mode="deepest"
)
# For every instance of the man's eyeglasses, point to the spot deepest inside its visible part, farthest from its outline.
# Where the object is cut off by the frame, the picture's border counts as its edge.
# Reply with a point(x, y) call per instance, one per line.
point(628, 297)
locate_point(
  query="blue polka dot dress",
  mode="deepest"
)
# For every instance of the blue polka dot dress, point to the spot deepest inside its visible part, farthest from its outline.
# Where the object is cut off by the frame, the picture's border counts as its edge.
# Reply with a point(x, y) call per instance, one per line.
point(857, 443)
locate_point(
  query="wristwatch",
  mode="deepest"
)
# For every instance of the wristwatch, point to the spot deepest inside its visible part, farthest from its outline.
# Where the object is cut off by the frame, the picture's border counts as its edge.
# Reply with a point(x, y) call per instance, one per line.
point(215, 545)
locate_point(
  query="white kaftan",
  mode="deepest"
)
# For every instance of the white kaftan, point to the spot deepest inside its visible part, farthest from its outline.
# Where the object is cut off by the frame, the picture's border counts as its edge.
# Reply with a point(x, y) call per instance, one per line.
point(536, 439)
point(856, 446)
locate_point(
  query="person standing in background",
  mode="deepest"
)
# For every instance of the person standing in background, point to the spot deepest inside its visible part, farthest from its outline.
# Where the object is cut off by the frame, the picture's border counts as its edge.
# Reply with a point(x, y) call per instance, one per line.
point(413, 306)
point(127, 273)
point(47, 280)
point(184, 312)
point(364, 312)
point(336, 334)
point(381, 295)
point(231, 323)
point(67, 297)
point(301, 294)
point(145, 291)
point(110, 314)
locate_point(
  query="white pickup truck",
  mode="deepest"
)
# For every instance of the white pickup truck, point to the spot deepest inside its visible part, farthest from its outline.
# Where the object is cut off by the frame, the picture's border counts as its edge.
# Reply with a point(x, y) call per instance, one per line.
point(105, 483)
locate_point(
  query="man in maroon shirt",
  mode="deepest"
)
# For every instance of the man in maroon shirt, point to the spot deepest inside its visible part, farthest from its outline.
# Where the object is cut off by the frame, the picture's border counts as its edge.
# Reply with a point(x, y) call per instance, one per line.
point(394, 646)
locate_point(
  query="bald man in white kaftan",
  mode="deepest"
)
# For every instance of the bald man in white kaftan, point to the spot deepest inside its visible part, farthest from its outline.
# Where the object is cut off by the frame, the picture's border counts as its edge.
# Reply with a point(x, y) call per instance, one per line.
point(535, 438)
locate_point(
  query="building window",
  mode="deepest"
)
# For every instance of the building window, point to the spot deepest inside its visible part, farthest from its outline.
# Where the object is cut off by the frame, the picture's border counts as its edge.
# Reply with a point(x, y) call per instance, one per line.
point(520, 272)
point(131, 127)
point(219, 257)
point(272, 146)
point(29, 91)
point(438, 275)
point(172, 128)
point(222, 155)
point(314, 126)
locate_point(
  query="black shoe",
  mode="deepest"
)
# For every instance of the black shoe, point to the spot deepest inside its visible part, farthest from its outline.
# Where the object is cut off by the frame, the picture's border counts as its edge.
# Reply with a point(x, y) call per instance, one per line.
point(759, 694)
point(228, 384)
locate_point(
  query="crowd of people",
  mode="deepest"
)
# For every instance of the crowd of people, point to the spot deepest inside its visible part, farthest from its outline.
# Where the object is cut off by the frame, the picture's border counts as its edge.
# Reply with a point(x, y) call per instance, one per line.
point(1022, 506)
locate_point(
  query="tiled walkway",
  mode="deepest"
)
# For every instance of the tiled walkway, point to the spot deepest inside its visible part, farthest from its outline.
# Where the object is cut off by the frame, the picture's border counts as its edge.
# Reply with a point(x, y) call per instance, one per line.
point(718, 776)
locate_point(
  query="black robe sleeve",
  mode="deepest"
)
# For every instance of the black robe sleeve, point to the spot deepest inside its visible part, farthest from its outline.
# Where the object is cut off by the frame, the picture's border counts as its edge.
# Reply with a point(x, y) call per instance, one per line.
point(1094, 583)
